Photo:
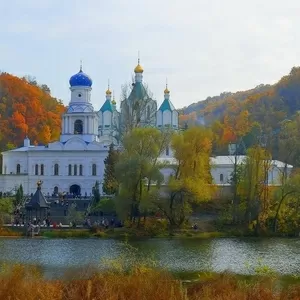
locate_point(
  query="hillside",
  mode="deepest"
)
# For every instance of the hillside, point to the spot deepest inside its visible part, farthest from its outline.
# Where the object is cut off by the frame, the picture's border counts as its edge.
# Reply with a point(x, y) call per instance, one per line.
point(27, 108)
point(266, 104)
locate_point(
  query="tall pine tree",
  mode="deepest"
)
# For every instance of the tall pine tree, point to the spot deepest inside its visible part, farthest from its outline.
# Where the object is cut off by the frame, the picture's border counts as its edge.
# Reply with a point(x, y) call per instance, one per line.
point(110, 183)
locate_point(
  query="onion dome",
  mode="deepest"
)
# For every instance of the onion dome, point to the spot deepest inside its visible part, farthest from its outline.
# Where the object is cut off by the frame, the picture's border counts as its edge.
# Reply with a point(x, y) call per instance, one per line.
point(80, 79)
point(108, 92)
point(166, 91)
point(114, 102)
point(138, 68)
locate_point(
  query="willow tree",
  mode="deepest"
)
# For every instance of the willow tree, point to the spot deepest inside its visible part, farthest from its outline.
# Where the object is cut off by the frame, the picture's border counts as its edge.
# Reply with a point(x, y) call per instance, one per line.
point(138, 171)
point(253, 187)
point(191, 181)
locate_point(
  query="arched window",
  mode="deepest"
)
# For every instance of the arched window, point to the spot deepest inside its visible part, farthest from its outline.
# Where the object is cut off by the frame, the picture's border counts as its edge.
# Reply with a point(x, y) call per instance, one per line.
point(94, 170)
point(18, 169)
point(80, 170)
point(42, 169)
point(75, 170)
point(70, 170)
point(78, 127)
point(56, 170)
point(221, 177)
point(36, 171)
point(167, 151)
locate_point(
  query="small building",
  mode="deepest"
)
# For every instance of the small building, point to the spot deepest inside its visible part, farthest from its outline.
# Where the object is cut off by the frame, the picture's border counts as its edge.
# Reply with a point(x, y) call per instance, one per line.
point(37, 207)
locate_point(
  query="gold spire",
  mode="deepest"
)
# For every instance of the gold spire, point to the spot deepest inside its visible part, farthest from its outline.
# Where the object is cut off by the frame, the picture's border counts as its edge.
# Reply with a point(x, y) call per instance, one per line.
point(166, 91)
point(108, 91)
point(138, 68)
point(113, 100)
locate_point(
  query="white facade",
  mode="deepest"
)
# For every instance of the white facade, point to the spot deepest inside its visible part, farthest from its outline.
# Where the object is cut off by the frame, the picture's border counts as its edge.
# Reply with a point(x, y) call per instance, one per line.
point(74, 163)
point(222, 168)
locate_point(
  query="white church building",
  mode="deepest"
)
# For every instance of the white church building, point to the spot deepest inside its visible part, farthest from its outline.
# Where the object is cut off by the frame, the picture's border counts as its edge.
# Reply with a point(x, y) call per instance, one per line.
point(75, 162)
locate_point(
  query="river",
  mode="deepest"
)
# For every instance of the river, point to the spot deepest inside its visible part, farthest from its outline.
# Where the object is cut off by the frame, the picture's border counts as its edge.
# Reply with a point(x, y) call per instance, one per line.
point(56, 256)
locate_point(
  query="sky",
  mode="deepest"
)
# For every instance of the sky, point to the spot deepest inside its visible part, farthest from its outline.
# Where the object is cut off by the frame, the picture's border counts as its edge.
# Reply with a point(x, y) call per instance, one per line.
point(202, 47)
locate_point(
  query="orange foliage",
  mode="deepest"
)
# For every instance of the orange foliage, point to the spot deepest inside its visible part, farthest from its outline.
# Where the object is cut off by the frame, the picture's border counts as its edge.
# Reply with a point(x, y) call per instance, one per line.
point(25, 109)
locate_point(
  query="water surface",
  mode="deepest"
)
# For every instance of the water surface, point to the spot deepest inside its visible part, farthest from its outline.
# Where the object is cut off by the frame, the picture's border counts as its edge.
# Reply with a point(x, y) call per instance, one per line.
point(237, 255)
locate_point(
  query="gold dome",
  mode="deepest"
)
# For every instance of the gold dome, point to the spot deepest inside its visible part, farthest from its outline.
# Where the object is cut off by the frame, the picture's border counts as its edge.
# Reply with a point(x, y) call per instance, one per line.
point(114, 102)
point(138, 69)
point(108, 92)
point(166, 91)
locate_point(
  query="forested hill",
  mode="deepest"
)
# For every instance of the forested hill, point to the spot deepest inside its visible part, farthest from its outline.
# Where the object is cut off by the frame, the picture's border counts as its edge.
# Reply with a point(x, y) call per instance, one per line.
point(266, 104)
point(27, 108)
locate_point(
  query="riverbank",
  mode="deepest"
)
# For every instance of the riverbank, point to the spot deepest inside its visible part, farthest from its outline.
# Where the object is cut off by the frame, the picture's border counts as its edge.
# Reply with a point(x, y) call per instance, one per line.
point(142, 282)
point(128, 233)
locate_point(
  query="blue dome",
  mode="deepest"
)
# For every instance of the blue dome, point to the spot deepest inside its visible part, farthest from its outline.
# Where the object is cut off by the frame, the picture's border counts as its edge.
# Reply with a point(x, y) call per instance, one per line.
point(80, 79)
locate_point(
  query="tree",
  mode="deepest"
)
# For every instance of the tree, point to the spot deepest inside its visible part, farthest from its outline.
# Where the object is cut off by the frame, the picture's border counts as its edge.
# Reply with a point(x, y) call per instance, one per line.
point(110, 183)
point(253, 186)
point(18, 200)
point(138, 165)
point(191, 181)
point(6, 209)
point(105, 205)
point(74, 216)
point(96, 192)
point(289, 189)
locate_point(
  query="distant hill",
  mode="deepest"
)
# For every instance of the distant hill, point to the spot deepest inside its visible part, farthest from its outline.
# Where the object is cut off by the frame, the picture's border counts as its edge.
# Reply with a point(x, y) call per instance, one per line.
point(27, 108)
point(266, 104)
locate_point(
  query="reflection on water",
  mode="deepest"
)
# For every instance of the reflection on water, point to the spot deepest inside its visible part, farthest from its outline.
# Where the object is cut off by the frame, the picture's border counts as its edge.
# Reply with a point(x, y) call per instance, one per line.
point(57, 255)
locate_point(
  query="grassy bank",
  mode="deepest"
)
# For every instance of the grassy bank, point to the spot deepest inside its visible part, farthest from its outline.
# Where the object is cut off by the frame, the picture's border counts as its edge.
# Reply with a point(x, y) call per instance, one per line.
point(120, 233)
point(20, 282)
point(130, 233)
point(10, 232)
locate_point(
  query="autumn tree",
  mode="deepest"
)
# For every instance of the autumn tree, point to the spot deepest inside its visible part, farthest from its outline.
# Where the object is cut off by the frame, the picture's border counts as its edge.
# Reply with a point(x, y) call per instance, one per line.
point(27, 110)
point(191, 180)
point(253, 186)
point(288, 191)
point(135, 168)
point(110, 183)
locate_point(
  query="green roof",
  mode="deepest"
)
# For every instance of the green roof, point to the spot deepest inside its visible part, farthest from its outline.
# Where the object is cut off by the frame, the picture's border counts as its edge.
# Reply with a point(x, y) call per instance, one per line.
point(107, 106)
point(167, 105)
point(138, 92)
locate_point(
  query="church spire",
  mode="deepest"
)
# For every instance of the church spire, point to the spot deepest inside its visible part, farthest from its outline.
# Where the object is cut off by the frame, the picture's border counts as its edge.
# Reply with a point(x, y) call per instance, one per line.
point(108, 91)
point(113, 100)
point(80, 70)
point(138, 70)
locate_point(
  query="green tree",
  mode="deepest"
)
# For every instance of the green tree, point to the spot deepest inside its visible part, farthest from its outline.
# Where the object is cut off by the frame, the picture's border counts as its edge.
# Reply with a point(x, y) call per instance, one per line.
point(191, 180)
point(105, 205)
point(288, 191)
point(74, 216)
point(138, 171)
point(110, 183)
point(18, 200)
point(6, 209)
point(96, 192)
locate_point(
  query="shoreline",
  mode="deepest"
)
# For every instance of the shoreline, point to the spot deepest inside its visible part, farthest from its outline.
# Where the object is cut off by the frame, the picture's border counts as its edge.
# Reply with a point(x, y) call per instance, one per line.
point(129, 234)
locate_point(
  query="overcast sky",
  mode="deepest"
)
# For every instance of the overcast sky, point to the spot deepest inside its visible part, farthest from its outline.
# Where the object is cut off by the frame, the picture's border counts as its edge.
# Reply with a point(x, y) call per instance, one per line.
point(203, 47)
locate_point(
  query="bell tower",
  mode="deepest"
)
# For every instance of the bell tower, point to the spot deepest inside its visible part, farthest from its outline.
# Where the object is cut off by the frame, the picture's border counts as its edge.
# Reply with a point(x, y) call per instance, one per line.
point(80, 119)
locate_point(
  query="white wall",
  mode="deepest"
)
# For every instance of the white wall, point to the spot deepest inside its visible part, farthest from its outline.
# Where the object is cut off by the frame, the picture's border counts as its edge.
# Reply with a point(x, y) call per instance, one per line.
point(167, 117)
